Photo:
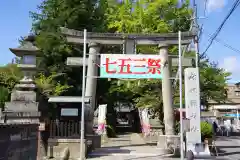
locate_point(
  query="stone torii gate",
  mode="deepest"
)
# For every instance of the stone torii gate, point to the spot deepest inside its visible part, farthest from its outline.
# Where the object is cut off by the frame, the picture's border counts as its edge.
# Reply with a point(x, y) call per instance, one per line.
point(129, 42)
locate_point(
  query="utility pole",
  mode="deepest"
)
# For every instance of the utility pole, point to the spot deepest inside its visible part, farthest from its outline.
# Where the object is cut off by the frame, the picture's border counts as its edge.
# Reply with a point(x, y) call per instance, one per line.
point(195, 29)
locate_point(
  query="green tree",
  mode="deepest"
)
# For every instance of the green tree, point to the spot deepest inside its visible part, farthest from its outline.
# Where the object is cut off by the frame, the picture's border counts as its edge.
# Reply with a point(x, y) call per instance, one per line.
point(74, 14)
point(9, 77)
point(143, 16)
point(159, 17)
point(146, 17)
point(4, 96)
point(213, 82)
point(48, 86)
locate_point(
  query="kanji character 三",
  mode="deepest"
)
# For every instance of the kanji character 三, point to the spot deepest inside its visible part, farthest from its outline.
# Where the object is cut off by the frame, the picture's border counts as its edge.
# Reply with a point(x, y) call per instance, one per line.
point(138, 64)
point(154, 66)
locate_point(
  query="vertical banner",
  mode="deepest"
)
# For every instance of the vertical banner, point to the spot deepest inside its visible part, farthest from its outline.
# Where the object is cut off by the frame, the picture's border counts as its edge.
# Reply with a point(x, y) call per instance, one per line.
point(145, 122)
point(130, 66)
point(192, 103)
point(102, 111)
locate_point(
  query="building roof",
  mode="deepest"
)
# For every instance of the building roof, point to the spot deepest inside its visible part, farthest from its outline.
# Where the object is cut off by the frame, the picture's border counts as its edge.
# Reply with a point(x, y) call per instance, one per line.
point(231, 100)
point(68, 99)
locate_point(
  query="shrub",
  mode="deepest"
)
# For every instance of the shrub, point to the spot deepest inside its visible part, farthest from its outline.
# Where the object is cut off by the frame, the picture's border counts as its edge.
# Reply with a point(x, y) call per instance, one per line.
point(206, 130)
point(111, 132)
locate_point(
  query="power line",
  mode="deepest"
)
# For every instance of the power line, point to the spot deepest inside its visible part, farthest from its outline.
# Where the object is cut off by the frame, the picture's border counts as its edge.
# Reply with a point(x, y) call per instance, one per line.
point(222, 42)
point(235, 5)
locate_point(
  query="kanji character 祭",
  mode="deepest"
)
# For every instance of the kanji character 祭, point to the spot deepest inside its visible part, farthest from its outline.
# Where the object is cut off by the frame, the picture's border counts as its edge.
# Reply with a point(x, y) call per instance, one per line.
point(154, 66)
point(124, 66)
point(107, 66)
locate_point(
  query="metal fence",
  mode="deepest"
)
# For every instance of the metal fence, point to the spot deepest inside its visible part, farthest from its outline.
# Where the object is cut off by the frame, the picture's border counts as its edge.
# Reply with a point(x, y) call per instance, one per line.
point(18, 141)
point(64, 129)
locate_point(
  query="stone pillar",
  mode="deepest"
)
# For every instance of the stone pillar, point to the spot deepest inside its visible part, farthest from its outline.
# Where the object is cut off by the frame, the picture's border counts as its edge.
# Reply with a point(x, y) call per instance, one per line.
point(91, 82)
point(167, 92)
point(92, 72)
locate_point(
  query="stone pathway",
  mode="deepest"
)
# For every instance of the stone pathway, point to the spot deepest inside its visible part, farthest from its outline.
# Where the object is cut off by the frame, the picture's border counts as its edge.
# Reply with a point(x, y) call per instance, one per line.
point(126, 147)
point(132, 147)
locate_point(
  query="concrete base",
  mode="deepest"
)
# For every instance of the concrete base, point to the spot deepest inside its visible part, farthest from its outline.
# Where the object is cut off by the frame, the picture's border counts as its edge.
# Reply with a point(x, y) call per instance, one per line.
point(57, 146)
point(199, 150)
point(162, 147)
point(95, 140)
point(153, 137)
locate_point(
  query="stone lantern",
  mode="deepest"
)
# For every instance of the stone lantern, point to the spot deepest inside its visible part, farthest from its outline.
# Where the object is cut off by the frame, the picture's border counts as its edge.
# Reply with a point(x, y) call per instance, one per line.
point(28, 53)
point(23, 97)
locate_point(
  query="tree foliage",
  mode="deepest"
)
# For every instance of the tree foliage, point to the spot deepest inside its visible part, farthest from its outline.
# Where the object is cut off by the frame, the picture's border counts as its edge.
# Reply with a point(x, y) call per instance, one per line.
point(213, 82)
point(128, 16)
point(147, 17)
point(48, 86)
point(9, 77)
point(74, 14)
point(160, 17)
point(4, 96)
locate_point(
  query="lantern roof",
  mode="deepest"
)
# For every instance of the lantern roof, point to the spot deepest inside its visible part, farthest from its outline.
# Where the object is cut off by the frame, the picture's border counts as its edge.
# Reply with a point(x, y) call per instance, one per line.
point(27, 48)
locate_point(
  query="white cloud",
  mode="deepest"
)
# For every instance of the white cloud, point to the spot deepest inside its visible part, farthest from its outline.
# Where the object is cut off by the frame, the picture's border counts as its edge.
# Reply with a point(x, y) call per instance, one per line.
point(230, 64)
point(213, 5)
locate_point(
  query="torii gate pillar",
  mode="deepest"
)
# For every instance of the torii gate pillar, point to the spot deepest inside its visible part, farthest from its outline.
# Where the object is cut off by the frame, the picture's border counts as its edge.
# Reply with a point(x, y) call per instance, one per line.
point(91, 80)
point(167, 91)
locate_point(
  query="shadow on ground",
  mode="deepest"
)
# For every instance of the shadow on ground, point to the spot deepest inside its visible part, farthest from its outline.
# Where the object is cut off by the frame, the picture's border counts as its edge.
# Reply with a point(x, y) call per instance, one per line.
point(227, 146)
point(230, 138)
point(224, 150)
point(136, 145)
point(105, 151)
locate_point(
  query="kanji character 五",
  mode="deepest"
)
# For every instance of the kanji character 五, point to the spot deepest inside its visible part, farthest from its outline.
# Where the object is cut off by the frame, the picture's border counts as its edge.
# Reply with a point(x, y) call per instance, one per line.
point(108, 63)
point(154, 66)
point(143, 60)
point(124, 66)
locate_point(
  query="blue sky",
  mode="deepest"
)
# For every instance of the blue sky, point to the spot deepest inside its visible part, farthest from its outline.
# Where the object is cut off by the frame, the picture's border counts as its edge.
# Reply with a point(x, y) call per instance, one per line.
point(16, 22)
point(216, 12)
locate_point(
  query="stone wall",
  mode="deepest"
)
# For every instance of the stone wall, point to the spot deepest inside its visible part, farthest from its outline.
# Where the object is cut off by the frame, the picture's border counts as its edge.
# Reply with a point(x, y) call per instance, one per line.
point(58, 147)
point(18, 141)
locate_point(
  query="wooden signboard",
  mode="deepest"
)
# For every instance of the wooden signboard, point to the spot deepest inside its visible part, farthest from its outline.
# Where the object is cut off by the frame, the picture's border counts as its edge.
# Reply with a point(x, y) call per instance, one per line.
point(41, 126)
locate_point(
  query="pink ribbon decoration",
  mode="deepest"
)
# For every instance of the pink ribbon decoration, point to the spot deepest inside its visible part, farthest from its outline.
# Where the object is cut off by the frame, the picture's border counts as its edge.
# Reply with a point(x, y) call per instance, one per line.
point(101, 127)
point(146, 129)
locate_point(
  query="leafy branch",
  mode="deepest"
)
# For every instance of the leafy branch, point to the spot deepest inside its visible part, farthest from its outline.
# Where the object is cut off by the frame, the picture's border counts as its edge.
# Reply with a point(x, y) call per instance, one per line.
point(48, 86)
